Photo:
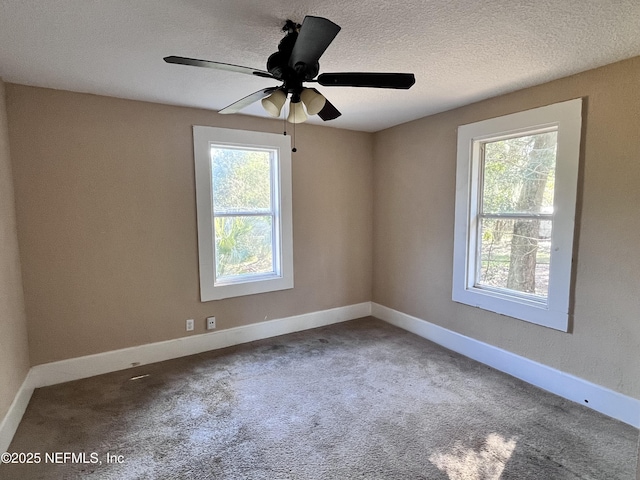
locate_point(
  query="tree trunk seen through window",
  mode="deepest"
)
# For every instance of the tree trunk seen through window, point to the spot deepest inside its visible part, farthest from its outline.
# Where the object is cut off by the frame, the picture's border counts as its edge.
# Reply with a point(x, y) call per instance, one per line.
point(526, 232)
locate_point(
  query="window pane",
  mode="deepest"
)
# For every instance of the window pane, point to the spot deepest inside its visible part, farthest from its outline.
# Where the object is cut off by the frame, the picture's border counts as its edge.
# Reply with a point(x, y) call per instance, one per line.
point(515, 254)
point(241, 180)
point(243, 246)
point(519, 174)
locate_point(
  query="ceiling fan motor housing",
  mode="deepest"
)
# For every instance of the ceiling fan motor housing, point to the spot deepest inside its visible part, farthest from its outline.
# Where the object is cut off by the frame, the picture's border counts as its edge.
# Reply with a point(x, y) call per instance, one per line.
point(278, 62)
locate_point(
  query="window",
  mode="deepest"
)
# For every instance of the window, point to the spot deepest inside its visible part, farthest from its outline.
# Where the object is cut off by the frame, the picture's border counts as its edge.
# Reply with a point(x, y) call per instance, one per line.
point(516, 185)
point(243, 193)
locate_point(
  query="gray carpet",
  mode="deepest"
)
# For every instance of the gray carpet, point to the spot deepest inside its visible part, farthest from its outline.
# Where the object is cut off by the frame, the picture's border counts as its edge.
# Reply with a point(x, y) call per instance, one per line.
point(361, 399)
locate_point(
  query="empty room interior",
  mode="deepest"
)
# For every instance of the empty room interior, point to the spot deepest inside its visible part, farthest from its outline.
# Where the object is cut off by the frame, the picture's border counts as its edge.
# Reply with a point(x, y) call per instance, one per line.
point(413, 257)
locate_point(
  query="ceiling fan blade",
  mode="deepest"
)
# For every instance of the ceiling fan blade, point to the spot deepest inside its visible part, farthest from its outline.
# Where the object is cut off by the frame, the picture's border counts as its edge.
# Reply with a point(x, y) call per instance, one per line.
point(194, 62)
point(373, 80)
point(328, 112)
point(315, 36)
point(248, 100)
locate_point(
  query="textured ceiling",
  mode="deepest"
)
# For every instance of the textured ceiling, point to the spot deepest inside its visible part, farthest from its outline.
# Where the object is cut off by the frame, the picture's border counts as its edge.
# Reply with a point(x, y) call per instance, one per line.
point(460, 50)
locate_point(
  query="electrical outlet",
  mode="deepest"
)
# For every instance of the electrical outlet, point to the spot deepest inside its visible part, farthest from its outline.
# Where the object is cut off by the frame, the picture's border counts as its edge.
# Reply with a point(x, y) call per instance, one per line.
point(190, 325)
point(211, 323)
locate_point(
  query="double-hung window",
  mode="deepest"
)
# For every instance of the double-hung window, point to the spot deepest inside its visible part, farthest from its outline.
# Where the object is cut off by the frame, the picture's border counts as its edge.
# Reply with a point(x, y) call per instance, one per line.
point(243, 190)
point(515, 207)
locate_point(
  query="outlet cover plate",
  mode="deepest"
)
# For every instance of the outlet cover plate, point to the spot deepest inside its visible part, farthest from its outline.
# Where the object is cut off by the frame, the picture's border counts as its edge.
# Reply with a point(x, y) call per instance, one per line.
point(211, 323)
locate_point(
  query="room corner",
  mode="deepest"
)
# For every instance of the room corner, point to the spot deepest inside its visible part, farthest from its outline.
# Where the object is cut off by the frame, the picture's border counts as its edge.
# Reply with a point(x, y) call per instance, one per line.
point(14, 353)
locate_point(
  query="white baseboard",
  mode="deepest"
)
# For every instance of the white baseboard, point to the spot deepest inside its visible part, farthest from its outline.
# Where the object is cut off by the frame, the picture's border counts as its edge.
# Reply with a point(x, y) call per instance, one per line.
point(599, 398)
point(11, 420)
point(91, 365)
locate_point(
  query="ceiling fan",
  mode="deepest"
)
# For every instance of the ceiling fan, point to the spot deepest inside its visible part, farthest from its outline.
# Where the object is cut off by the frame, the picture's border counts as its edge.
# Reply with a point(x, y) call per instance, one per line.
point(295, 63)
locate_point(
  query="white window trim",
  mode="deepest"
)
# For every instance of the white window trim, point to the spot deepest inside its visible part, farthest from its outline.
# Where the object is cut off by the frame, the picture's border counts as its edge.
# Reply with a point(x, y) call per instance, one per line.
point(203, 139)
point(567, 117)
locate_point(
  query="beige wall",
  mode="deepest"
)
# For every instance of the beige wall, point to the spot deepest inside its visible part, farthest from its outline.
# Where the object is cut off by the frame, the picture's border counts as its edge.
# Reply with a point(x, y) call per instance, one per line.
point(14, 353)
point(107, 221)
point(414, 185)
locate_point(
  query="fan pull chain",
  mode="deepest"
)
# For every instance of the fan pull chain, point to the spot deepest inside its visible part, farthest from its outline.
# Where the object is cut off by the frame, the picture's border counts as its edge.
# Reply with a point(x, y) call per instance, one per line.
point(294, 149)
point(284, 127)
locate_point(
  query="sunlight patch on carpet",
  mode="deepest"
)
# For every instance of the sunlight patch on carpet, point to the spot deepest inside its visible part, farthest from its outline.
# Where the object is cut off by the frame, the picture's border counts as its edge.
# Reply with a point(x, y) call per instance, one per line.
point(485, 463)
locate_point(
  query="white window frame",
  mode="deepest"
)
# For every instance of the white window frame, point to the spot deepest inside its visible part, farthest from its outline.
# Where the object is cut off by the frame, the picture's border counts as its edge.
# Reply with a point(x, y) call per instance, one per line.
point(566, 117)
point(203, 139)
